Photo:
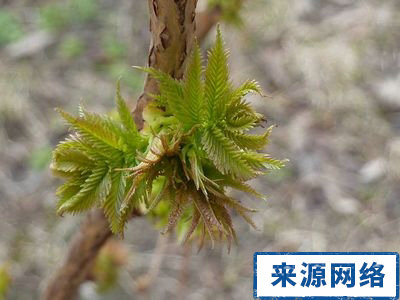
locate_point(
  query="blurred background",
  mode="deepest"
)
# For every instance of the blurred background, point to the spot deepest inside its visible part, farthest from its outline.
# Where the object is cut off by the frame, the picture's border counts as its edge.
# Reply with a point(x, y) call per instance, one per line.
point(332, 68)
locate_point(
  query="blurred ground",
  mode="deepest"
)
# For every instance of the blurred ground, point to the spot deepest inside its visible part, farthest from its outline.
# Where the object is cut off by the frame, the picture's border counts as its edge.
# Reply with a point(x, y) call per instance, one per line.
point(333, 69)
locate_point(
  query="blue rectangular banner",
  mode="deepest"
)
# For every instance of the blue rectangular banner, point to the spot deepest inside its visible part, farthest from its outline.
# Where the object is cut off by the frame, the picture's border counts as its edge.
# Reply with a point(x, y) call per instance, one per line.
point(326, 275)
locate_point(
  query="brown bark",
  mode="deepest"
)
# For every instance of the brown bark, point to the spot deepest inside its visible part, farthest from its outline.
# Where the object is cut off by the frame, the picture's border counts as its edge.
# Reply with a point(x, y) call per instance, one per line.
point(204, 22)
point(82, 253)
point(172, 27)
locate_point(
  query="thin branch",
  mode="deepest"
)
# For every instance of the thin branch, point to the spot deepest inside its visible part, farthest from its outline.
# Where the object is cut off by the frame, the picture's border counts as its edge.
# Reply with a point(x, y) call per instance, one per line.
point(206, 20)
point(93, 233)
point(172, 24)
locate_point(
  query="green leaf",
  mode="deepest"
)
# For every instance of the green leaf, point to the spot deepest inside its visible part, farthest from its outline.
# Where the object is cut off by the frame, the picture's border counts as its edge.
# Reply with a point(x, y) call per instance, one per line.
point(89, 194)
point(241, 186)
point(248, 141)
point(241, 116)
point(132, 136)
point(71, 160)
point(193, 104)
point(250, 86)
point(93, 129)
point(163, 192)
point(171, 93)
point(124, 113)
point(225, 154)
point(217, 80)
point(196, 170)
point(273, 164)
point(113, 202)
point(66, 191)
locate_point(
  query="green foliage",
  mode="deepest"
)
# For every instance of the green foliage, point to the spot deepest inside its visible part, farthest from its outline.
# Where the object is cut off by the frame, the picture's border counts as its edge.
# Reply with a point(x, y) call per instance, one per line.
point(230, 10)
point(89, 160)
point(83, 10)
point(40, 158)
point(113, 48)
point(53, 16)
point(10, 28)
point(5, 282)
point(195, 145)
point(71, 47)
point(57, 16)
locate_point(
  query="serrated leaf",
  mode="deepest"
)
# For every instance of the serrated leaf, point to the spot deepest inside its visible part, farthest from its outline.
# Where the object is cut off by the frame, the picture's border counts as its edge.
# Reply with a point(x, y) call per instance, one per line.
point(71, 160)
point(240, 116)
point(193, 90)
point(160, 196)
point(113, 202)
point(240, 209)
point(241, 186)
point(193, 225)
point(133, 137)
point(123, 111)
point(249, 86)
point(225, 219)
point(171, 93)
point(225, 154)
point(88, 193)
point(217, 80)
point(93, 131)
point(206, 215)
point(274, 164)
point(176, 211)
point(248, 141)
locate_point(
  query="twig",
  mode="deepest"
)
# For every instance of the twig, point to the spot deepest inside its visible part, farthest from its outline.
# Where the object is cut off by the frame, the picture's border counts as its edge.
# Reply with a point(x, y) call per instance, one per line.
point(206, 20)
point(93, 233)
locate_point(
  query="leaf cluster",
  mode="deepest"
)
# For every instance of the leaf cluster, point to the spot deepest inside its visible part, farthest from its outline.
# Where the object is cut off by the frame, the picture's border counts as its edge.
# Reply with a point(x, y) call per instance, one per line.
point(196, 145)
point(88, 160)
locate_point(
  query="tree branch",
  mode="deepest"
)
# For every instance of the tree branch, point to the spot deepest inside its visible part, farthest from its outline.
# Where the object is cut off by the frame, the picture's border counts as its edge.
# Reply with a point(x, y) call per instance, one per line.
point(172, 27)
point(93, 233)
point(206, 20)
